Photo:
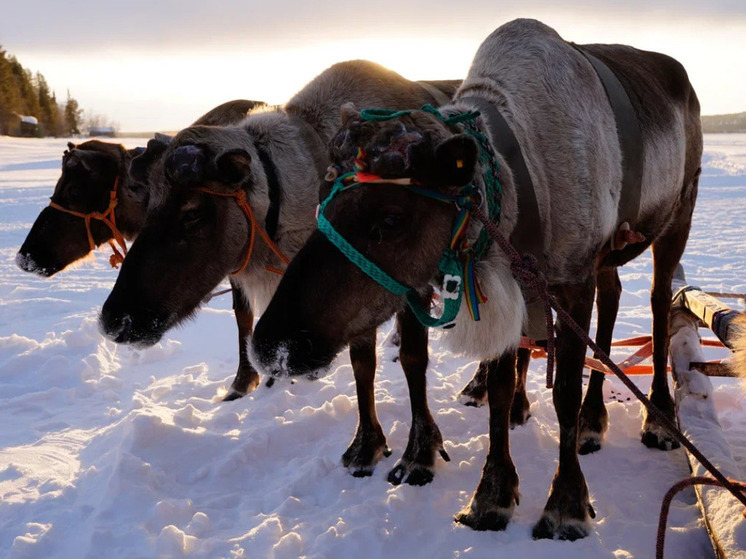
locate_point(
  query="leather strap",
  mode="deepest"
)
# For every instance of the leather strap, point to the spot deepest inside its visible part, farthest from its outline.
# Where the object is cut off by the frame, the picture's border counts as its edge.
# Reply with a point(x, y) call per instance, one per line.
point(630, 141)
point(528, 233)
point(438, 96)
point(272, 218)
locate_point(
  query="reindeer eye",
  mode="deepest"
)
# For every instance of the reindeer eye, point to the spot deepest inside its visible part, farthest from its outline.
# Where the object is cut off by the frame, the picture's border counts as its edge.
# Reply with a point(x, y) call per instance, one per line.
point(191, 218)
point(136, 187)
point(391, 220)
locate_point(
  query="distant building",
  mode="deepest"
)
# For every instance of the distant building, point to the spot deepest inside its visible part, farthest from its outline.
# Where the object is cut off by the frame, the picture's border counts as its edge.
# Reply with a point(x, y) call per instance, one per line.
point(28, 126)
point(107, 131)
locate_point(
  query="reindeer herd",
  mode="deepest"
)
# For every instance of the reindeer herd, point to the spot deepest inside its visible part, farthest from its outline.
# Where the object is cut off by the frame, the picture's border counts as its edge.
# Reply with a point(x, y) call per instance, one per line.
point(236, 195)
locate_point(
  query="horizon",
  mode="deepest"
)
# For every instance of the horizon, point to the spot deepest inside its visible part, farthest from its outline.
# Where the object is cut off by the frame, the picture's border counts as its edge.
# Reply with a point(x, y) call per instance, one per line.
point(161, 67)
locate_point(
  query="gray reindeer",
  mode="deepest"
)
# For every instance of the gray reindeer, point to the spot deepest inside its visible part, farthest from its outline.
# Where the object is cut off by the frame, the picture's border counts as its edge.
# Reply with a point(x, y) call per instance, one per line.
point(386, 235)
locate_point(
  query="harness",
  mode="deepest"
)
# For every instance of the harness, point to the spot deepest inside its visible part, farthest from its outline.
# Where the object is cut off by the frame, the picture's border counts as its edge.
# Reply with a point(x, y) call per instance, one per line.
point(109, 219)
point(240, 198)
point(438, 96)
point(271, 220)
point(527, 236)
point(459, 258)
point(630, 142)
point(273, 184)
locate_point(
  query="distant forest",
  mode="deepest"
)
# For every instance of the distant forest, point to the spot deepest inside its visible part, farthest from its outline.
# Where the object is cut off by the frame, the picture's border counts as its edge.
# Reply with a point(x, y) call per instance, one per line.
point(735, 122)
point(29, 108)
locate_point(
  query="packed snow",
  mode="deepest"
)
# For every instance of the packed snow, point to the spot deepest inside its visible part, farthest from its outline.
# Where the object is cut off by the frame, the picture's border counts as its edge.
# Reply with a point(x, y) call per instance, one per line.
point(110, 451)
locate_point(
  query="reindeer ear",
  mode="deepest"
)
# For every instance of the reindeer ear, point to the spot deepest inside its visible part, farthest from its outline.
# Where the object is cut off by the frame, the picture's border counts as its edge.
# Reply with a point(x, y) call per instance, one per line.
point(234, 166)
point(140, 165)
point(70, 146)
point(77, 159)
point(163, 138)
point(456, 159)
point(348, 112)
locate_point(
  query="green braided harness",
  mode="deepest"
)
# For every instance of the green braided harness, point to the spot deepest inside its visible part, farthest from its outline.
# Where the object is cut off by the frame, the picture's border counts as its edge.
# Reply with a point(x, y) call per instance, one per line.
point(459, 258)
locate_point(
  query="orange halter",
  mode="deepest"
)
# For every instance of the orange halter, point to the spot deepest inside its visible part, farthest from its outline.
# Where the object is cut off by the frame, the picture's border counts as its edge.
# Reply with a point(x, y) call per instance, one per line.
point(240, 197)
point(108, 218)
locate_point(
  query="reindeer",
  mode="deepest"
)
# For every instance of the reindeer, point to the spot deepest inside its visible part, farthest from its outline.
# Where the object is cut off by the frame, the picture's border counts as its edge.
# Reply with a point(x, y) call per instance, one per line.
point(386, 234)
point(219, 190)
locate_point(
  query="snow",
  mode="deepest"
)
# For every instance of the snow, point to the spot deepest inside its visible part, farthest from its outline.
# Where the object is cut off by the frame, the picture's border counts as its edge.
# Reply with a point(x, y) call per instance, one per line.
point(117, 452)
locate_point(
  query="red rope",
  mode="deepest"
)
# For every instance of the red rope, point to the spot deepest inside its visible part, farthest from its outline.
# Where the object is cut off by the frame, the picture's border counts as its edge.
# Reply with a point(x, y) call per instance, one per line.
point(109, 218)
point(240, 197)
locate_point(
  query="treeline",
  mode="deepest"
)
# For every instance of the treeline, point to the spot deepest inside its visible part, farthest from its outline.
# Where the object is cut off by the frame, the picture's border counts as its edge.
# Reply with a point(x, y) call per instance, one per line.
point(735, 122)
point(25, 94)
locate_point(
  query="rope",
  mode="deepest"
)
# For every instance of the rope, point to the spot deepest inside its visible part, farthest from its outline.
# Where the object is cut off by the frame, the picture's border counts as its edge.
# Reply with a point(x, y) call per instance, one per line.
point(109, 218)
point(523, 266)
point(240, 198)
point(666, 505)
point(209, 297)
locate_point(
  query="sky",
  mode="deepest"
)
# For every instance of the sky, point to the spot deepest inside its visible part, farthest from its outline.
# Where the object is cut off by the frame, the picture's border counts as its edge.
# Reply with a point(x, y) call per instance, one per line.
point(158, 65)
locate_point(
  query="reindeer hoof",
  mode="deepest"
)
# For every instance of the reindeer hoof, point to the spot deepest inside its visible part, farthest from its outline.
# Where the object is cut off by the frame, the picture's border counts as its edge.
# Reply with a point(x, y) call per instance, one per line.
point(519, 413)
point(474, 394)
point(570, 530)
point(233, 395)
point(659, 440)
point(469, 403)
point(363, 471)
point(490, 520)
point(396, 476)
point(417, 476)
point(364, 452)
point(589, 445)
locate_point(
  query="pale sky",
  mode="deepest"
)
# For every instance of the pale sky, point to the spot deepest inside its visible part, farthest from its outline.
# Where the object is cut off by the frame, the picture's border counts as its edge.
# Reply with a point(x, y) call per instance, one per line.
point(158, 65)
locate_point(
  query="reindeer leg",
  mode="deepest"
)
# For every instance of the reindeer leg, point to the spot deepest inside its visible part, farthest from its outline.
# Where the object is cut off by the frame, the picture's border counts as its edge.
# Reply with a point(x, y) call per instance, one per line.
point(369, 444)
point(594, 419)
point(425, 441)
point(475, 392)
point(568, 507)
point(493, 502)
point(247, 379)
point(520, 410)
point(667, 251)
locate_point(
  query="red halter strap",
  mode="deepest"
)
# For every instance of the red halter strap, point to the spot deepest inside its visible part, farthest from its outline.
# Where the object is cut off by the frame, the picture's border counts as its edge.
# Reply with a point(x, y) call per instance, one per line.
point(240, 197)
point(109, 219)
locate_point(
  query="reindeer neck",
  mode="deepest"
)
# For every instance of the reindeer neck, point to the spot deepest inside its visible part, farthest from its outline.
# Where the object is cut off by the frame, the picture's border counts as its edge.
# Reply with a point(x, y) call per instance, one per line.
point(287, 154)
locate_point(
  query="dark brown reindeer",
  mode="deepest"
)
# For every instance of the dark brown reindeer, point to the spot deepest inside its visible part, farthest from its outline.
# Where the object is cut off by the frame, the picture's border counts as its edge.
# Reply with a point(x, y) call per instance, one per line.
point(219, 190)
point(552, 99)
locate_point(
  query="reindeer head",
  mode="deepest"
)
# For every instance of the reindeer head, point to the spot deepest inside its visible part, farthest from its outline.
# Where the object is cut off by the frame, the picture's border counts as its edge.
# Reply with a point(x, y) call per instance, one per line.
point(89, 172)
point(191, 239)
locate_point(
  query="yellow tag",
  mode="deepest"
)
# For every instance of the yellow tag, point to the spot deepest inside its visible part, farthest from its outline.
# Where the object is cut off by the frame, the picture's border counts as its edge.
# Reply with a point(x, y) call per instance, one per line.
point(459, 163)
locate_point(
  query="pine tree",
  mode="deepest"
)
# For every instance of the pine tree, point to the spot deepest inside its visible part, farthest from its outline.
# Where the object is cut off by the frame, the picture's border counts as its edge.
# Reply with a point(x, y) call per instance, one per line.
point(25, 94)
point(73, 115)
point(48, 114)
